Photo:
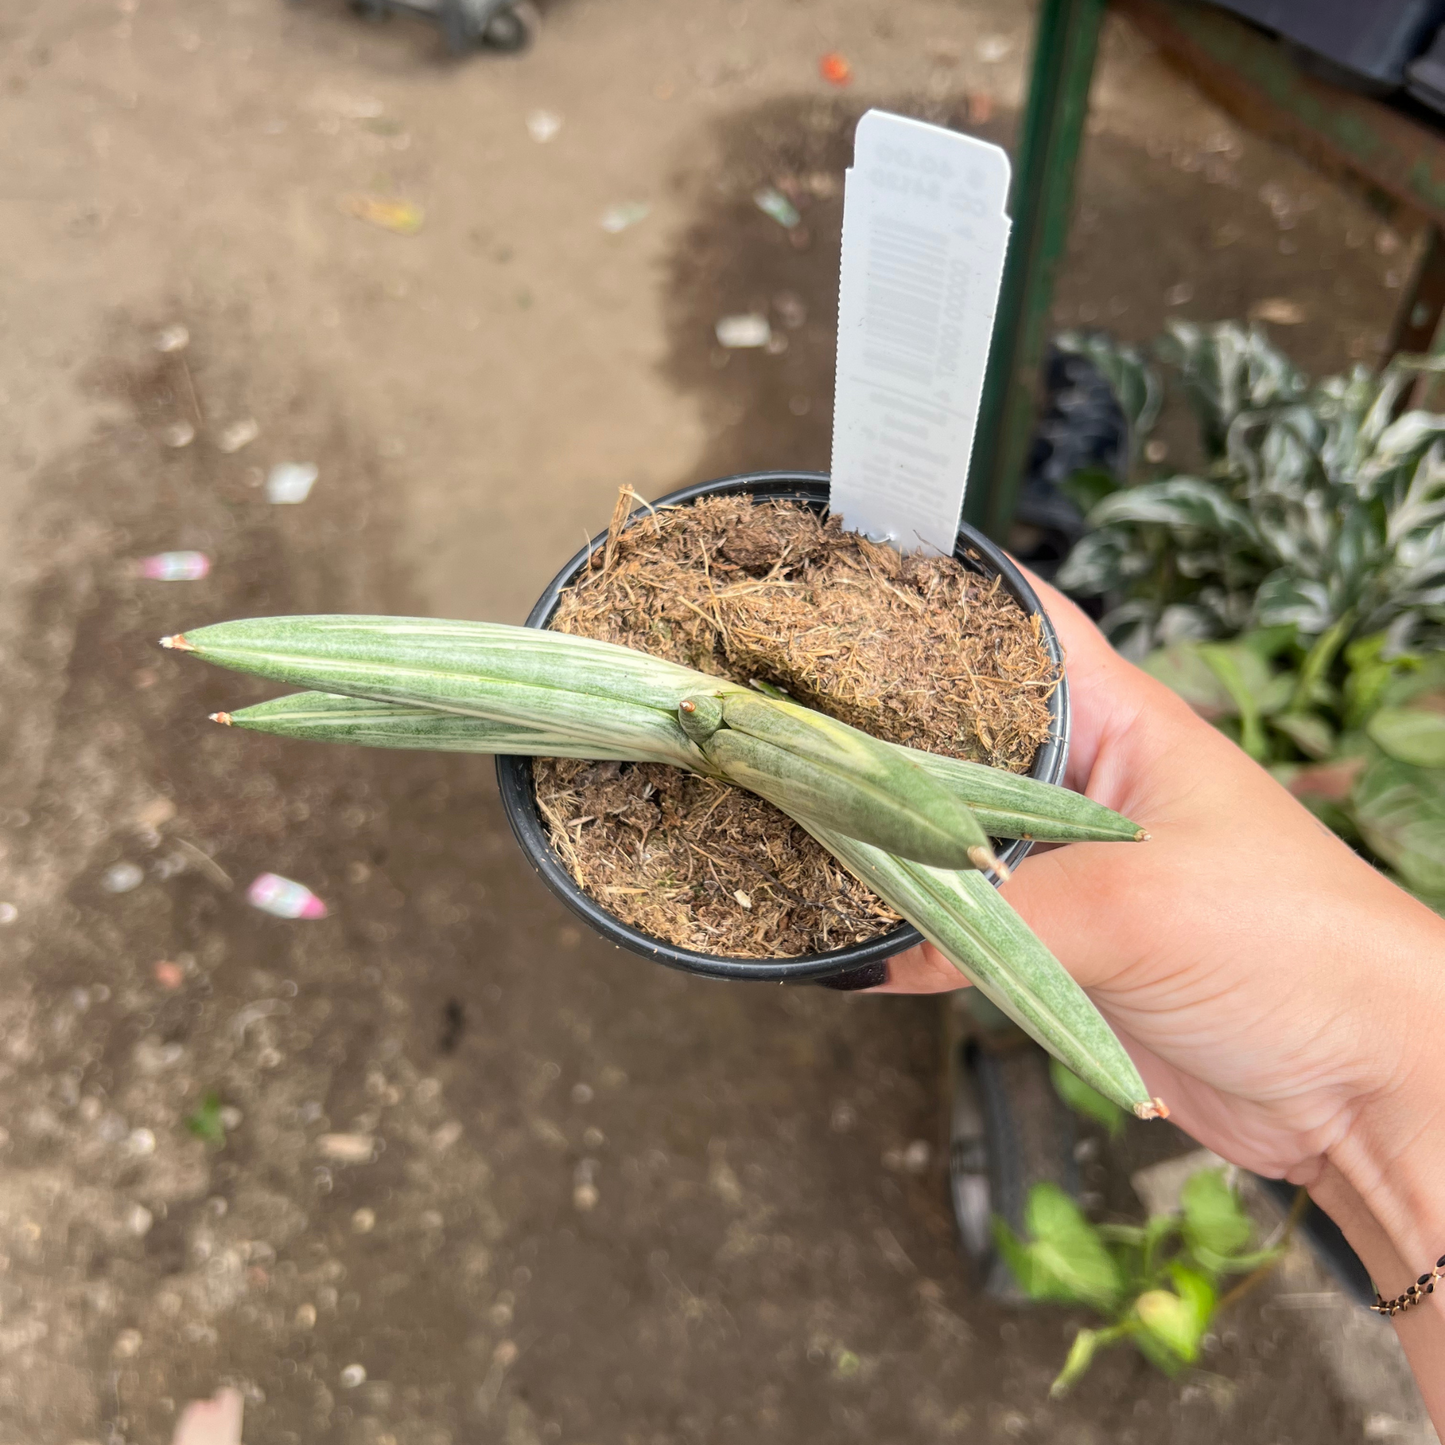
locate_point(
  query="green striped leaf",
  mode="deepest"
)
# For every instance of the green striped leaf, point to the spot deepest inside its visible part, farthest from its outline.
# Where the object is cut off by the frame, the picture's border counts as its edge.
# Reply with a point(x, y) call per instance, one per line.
point(1011, 806)
point(594, 692)
point(969, 922)
point(323, 717)
point(1005, 804)
point(844, 779)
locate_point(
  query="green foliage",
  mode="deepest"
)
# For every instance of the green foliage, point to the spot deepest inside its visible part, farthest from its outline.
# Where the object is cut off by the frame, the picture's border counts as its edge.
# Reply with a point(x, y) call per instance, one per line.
point(1083, 1099)
point(1358, 735)
point(1155, 1285)
point(207, 1123)
point(1314, 507)
point(1294, 591)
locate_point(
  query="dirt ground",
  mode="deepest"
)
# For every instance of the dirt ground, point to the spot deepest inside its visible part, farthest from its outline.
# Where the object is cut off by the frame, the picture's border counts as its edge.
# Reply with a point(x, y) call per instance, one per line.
point(592, 1201)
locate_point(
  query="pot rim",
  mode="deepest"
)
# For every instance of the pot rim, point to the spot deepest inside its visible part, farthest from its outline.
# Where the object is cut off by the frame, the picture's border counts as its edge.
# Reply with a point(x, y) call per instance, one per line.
point(514, 774)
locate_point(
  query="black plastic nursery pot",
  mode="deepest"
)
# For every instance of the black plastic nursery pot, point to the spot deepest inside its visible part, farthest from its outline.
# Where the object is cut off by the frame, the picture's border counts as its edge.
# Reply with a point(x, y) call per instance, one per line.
point(860, 965)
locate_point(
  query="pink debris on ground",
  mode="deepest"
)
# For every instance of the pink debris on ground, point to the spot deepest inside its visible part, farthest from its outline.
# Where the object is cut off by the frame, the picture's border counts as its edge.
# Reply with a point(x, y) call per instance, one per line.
point(284, 898)
point(175, 566)
point(168, 974)
point(216, 1421)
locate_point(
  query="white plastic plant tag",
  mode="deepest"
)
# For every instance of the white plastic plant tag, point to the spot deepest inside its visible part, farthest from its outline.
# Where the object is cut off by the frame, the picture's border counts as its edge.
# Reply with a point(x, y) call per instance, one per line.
point(924, 237)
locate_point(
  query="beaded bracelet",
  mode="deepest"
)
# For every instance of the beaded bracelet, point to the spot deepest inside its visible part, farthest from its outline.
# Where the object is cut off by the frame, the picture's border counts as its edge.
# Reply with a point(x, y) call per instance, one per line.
point(1412, 1296)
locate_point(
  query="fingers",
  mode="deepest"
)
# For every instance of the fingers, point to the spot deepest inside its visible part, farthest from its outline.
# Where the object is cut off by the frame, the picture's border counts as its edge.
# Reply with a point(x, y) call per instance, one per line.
point(921, 969)
point(1100, 682)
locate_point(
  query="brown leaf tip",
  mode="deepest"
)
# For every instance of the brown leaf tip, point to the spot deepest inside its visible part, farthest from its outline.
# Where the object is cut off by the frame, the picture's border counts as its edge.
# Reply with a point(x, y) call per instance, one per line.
point(1154, 1109)
point(1143, 835)
point(985, 859)
point(177, 642)
point(224, 718)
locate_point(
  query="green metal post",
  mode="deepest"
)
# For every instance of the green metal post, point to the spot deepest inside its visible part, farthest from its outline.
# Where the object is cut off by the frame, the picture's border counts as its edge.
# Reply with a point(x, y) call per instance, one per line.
point(1065, 45)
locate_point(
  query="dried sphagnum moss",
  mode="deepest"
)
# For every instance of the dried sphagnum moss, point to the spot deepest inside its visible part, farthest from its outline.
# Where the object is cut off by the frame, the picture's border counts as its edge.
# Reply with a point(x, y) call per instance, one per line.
point(915, 649)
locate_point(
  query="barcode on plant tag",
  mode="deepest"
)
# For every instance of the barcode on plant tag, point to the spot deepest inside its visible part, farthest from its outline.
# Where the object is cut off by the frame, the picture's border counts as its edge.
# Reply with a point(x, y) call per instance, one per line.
point(924, 238)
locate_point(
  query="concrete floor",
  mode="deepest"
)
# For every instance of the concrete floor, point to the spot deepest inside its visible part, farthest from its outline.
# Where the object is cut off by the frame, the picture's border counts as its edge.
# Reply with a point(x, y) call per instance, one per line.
point(605, 1203)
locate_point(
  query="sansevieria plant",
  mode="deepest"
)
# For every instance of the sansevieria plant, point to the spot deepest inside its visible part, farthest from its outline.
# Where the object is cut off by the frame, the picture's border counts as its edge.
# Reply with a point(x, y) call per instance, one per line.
point(914, 826)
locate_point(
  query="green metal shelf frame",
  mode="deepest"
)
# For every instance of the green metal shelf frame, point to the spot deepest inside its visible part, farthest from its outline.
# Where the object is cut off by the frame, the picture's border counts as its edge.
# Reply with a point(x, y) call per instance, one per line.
point(1394, 161)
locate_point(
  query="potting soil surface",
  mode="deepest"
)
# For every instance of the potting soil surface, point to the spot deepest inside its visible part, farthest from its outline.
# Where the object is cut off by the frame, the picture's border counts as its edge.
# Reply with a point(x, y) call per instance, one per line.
point(919, 650)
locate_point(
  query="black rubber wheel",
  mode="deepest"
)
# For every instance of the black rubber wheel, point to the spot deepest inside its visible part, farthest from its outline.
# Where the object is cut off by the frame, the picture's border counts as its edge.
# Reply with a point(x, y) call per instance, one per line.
point(512, 31)
point(1010, 1131)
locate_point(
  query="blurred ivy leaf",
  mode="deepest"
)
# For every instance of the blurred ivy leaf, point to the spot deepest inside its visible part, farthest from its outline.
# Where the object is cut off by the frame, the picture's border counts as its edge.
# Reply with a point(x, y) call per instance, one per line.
point(1185, 502)
point(1130, 627)
point(1102, 561)
point(1400, 810)
point(1168, 1321)
point(1237, 1263)
point(1415, 680)
point(1267, 692)
point(1410, 735)
point(1178, 1320)
point(1254, 690)
point(1214, 1219)
point(1308, 731)
point(1268, 643)
point(1089, 486)
point(1369, 674)
point(1182, 669)
point(1286, 599)
point(1065, 1259)
point(206, 1122)
point(1081, 1355)
point(1083, 1099)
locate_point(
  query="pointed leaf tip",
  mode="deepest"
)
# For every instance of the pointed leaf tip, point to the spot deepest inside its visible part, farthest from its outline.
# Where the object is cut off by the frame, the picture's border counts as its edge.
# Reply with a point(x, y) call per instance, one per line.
point(985, 859)
point(224, 718)
point(177, 642)
point(1155, 1109)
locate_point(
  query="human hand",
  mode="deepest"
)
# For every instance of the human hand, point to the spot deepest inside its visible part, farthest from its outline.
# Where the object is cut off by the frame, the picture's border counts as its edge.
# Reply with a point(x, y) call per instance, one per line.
point(1265, 978)
point(1276, 991)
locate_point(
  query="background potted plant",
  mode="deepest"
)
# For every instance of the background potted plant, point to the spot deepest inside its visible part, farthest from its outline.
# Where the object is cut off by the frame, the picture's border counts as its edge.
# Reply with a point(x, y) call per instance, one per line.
point(1292, 585)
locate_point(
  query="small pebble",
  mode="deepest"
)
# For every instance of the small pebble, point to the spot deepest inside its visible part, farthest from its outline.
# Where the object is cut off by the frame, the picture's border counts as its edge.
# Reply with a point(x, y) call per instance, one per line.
point(138, 1220)
point(239, 434)
point(173, 338)
point(542, 125)
point(8, 913)
point(178, 434)
point(141, 1141)
point(127, 1344)
point(581, 1093)
point(352, 1376)
point(739, 332)
point(347, 1148)
point(305, 1316)
point(364, 1221)
point(289, 483)
point(168, 974)
point(121, 878)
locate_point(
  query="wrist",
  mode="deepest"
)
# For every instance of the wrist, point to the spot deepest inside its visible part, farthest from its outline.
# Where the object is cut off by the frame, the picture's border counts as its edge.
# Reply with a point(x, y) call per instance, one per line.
point(1383, 1178)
